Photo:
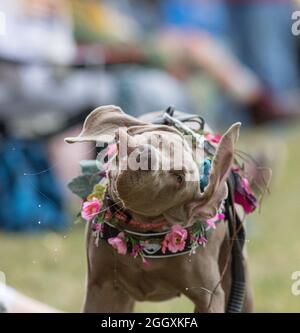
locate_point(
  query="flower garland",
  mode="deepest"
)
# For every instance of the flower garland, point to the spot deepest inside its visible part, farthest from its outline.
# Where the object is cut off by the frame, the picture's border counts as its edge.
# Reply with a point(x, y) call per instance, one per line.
point(176, 240)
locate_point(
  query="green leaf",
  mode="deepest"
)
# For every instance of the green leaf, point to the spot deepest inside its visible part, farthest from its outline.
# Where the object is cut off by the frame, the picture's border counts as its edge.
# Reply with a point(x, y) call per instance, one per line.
point(89, 167)
point(82, 186)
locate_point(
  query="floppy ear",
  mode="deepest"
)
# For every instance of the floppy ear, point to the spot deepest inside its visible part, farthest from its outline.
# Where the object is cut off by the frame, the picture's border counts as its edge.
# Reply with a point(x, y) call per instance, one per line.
point(207, 204)
point(101, 124)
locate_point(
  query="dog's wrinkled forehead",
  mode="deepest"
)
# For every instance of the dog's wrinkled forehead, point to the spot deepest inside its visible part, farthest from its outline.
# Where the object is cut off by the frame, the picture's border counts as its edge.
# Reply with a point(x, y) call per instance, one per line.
point(158, 137)
point(151, 129)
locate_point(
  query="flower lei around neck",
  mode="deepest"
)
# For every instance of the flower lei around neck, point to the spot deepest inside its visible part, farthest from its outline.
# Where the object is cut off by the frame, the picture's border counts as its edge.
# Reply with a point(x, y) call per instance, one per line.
point(91, 188)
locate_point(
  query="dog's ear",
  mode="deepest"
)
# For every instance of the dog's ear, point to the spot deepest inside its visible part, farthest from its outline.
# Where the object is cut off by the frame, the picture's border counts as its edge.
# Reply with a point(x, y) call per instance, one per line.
point(101, 124)
point(208, 203)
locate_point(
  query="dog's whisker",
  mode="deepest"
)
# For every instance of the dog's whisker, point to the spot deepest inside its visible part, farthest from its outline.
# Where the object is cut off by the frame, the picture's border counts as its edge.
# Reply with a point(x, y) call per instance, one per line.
point(246, 157)
point(53, 166)
point(108, 207)
point(201, 288)
point(115, 212)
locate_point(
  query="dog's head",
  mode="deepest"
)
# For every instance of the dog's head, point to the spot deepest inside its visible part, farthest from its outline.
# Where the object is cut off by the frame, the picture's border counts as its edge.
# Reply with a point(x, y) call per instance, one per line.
point(155, 172)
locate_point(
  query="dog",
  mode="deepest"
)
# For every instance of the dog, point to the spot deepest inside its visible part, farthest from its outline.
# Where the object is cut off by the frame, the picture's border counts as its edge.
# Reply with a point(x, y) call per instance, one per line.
point(115, 281)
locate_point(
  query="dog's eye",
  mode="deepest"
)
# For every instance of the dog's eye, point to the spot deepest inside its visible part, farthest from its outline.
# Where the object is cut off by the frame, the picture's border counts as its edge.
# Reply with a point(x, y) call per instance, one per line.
point(179, 179)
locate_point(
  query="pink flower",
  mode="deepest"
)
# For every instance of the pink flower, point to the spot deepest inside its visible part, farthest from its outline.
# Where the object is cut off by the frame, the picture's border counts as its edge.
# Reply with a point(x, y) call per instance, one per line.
point(213, 138)
point(202, 240)
point(111, 150)
point(164, 245)
point(136, 249)
point(118, 243)
point(174, 241)
point(211, 223)
point(244, 196)
point(90, 209)
point(245, 184)
point(97, 227)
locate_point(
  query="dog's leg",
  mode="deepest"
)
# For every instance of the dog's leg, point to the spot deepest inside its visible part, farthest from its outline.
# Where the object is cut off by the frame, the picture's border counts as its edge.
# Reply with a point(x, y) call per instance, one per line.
point(107, 298)
point(200, 281)
point(208, 294)
point(103, 295)
point(203, 285)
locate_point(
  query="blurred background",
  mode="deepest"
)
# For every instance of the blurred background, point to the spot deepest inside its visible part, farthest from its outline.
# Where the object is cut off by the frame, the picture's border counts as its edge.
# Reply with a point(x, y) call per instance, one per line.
point(225, 60)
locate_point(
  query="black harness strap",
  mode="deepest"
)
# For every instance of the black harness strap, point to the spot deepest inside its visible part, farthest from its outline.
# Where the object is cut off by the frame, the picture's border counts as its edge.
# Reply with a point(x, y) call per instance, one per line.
point(237, 235)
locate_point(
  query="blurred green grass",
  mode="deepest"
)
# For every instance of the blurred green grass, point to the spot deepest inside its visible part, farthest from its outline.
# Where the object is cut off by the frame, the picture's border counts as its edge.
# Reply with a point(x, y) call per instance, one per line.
point(51, 267)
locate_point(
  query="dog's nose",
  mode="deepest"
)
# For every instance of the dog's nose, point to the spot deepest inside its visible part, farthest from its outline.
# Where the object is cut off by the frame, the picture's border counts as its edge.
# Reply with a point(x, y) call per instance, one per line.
point(147, 157)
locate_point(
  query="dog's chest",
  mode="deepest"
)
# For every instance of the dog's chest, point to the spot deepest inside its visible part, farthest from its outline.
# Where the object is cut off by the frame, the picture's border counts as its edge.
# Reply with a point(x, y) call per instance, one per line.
point(144, 285)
